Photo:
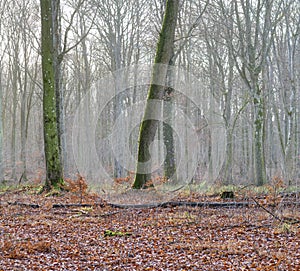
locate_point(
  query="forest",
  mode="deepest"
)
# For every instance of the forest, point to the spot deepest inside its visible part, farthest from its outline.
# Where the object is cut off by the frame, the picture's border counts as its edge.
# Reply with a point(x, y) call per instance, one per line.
point(149, 135)
point(245, 57)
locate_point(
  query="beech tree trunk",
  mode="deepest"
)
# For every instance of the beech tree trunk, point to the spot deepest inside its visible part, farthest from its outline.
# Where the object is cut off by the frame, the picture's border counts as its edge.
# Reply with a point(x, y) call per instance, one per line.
point(156, 92)
point(51, 133)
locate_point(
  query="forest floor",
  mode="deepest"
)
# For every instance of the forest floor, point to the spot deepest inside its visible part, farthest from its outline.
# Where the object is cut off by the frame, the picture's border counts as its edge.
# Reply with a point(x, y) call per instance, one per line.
point(72, 232)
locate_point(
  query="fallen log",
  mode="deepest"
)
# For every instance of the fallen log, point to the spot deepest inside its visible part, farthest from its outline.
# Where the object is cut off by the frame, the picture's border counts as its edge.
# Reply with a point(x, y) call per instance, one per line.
point(182, 203)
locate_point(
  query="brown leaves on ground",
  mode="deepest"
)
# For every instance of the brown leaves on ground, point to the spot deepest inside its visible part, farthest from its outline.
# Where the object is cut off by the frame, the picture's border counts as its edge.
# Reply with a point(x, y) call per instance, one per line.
point(106, 238)
point(77, 186)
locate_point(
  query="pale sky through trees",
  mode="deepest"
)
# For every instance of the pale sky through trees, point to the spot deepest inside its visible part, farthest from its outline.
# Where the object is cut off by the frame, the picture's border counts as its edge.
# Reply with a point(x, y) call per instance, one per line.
point(246, 58)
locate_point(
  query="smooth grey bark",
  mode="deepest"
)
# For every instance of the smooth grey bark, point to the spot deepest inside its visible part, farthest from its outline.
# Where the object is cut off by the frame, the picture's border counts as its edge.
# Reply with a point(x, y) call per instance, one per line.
point(14, 83)
point(168, 115)
point(23, 127)
point(24, 115)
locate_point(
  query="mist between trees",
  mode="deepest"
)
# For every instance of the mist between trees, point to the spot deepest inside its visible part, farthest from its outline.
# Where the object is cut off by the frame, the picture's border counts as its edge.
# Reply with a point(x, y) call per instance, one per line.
point(246, 55)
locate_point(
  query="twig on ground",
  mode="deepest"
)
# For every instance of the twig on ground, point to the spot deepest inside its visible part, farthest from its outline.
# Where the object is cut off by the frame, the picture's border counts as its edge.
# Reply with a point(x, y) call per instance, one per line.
point(282, 220)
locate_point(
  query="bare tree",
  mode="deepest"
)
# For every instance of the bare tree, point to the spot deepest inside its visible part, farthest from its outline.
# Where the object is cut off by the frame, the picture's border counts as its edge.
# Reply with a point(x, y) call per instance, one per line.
point(2, 9)
point(255, 27)
point(51, 133)
point(283, 77)
point(149, 126)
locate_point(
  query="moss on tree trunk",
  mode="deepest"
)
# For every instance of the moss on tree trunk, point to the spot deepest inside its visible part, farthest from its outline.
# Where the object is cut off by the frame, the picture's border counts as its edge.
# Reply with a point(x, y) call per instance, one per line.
point(260, 167)
point(169, 163)
point(51, 136)
point(156, 92)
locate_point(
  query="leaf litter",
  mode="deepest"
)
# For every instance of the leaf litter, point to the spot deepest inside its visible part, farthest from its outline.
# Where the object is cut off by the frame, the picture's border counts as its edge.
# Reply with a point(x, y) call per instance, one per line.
point(84, 233)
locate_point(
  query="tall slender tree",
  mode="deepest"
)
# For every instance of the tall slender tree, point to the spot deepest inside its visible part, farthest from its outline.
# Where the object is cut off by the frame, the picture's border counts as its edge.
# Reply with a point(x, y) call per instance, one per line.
point(256, 25)
point(156, 92)
point(1, 94)
point(51, 133)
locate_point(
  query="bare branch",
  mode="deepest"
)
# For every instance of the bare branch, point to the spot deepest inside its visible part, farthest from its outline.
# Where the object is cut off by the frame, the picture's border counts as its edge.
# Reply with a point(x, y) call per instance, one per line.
point(65, 49)
point(189, 33)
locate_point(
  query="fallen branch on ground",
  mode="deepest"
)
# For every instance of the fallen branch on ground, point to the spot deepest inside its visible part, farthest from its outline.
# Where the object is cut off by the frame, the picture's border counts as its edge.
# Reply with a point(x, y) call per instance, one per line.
point(282, 220)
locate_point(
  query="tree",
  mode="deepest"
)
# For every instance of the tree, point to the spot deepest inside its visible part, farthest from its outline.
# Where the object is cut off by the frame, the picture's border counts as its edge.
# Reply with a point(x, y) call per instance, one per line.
point(168, 136)
point(119, 25)
point(149, 126)
point(283, 61)
point(255, 31)
point(223, 77)
point(2, 5)
point(50, 119)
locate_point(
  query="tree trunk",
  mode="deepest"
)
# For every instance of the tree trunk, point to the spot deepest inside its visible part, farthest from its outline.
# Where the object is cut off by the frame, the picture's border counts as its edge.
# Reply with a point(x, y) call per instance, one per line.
point(14, 111)
point(156, 92)
point(169, 162)
point(57, 64)
point(23, 126)
point(1, 125)
point(51, 133)
point(260, 167)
